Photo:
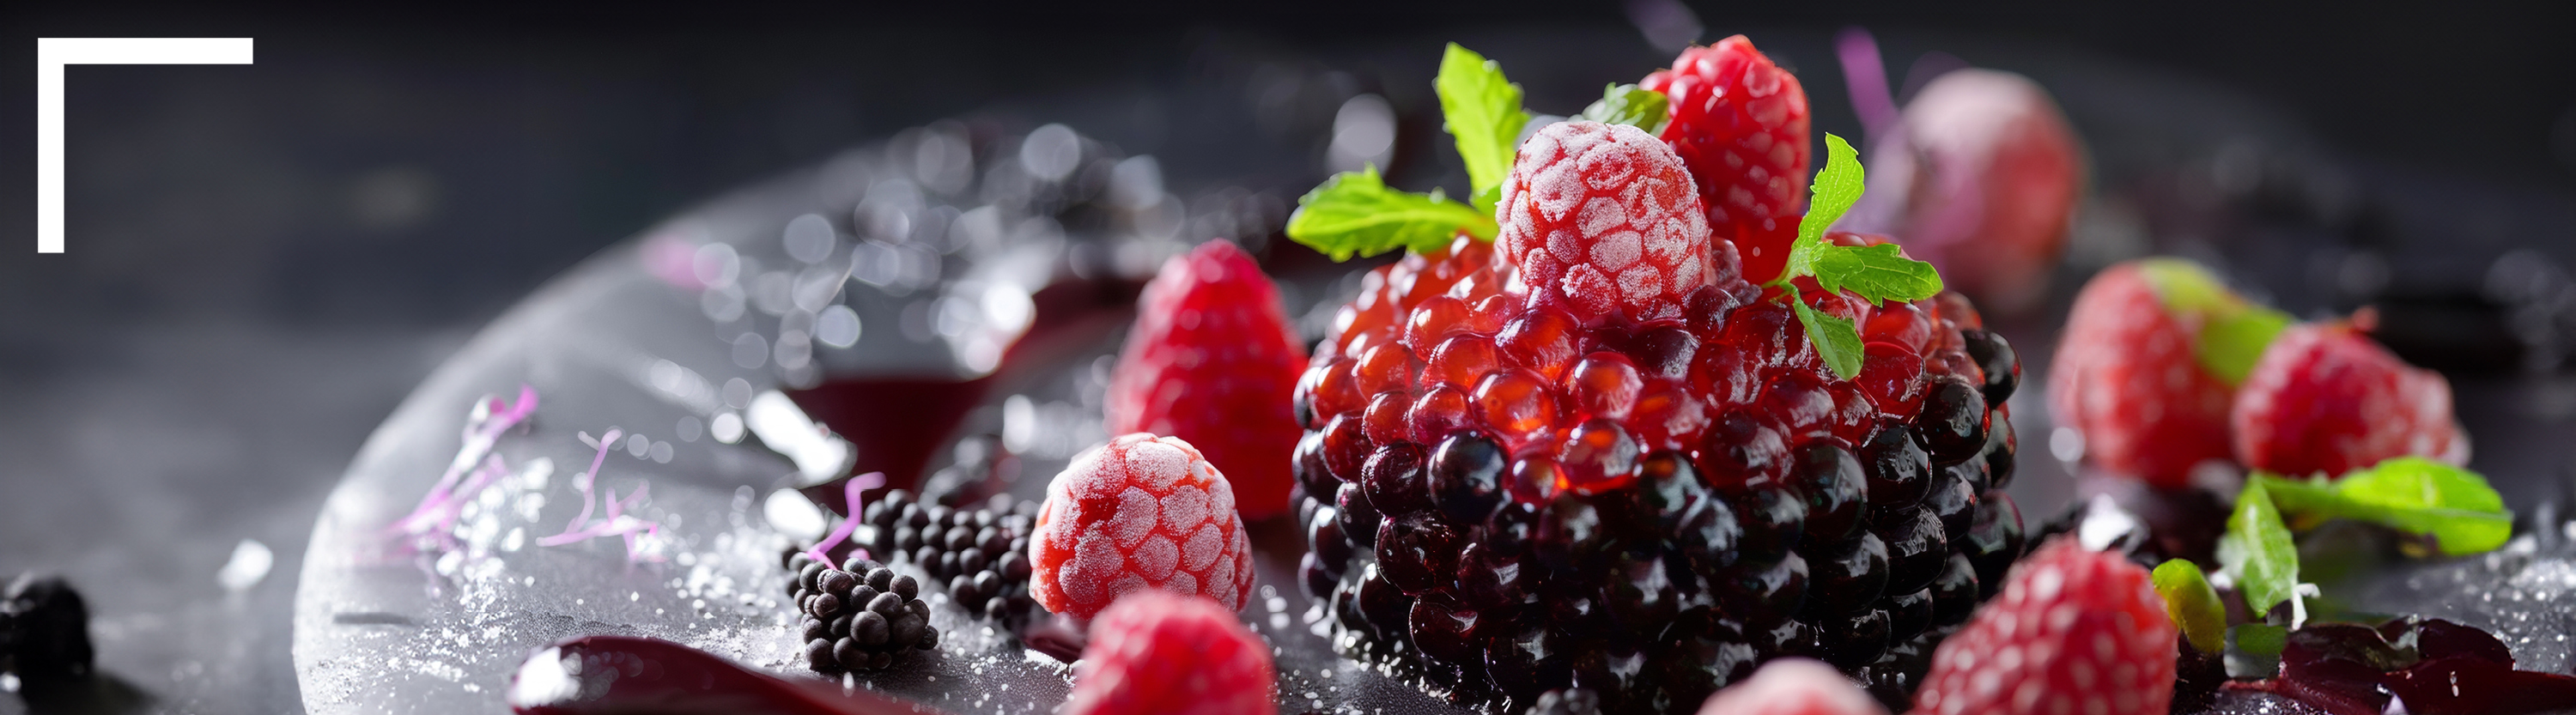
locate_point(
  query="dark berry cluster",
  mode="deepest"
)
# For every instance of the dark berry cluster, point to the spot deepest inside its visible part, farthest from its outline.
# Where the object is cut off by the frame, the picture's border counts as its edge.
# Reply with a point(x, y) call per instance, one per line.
point(860, 616)
point(982, 554)
point(1514, 502)
point(44, 635)
point(1569, 701)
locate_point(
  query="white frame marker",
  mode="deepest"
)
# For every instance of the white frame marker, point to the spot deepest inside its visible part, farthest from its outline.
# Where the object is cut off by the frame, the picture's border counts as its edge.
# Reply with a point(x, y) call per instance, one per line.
point(54, 52)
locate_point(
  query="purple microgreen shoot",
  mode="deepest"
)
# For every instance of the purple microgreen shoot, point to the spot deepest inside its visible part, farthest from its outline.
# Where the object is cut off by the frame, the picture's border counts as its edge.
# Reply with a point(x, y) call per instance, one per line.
point(483, 426)
point(851, 494)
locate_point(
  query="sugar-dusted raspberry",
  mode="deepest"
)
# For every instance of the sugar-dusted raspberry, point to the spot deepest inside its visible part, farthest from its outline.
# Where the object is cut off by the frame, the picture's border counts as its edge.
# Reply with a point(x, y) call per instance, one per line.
point(1740, 122)
point(1156, 653)
point(1141, 512)
point(2075, 630)
point(1211, 360)
point(1602, 219)
point(1793, 686)
point(2325, 399)
point(2127, 376)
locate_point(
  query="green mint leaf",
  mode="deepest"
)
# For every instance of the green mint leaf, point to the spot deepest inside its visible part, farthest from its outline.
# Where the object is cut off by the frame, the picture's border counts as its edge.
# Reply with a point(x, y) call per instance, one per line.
point(2233, 331)
point(2193, 605)
point(1837, 187)
point(1626, 104)
point(1483, 111)
point(1354, 213)
point(2254, 650)
point(1835, 338)
point(2412, 494)
point(1486, 200)
point(2257, 550)
point(1877, 273)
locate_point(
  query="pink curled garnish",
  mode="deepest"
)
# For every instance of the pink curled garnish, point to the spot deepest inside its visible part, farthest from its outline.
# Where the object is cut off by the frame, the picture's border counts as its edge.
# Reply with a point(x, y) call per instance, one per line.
point(445, 499)
point(1866, 75)
point(821, 553)
point(618, 523)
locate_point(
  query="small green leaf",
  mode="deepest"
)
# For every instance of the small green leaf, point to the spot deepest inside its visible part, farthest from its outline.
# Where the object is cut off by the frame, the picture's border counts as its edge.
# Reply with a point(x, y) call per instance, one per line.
point(1354, 213)
point(1837, 187)
point(2257, 550)
point(2193, 605)
point(1483, 111)
point(2233, 331)
point(1835, 338)
point(2412, 494)
point(1877, 273)
point(1626, 104)
point(1486, 200)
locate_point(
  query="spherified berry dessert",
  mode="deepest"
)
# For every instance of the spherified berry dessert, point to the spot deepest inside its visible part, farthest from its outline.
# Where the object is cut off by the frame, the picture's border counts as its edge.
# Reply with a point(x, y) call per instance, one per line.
point(1162, 653)
point(2326, 399)
point(859, 617)
point(2075, 630)
point(1594, 455)
point(981, 554)
point(1211, 360)
point(1141, 512)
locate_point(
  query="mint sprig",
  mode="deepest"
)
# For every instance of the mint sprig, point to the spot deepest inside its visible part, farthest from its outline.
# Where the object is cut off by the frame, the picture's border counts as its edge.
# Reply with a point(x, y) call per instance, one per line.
point(1482, 110)
point(2233, 331)
point(2257, 551)
point(2411, 494)
point(1356, 214)
point(1878, 273)
point(1629, 105)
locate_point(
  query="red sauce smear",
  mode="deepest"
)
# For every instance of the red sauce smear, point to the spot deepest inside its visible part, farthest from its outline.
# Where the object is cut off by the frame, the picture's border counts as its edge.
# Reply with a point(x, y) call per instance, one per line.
point(604, 675)
point(2434, 666)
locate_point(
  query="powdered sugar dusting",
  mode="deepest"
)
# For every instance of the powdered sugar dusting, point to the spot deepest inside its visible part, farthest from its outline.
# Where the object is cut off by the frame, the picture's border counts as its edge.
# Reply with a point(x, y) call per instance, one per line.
point(1606, 217)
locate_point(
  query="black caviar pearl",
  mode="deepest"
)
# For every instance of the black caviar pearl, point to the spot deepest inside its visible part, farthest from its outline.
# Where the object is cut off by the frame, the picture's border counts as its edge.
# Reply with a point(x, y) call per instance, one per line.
point(1908, 613)
point(1774, 518)
point(1511, 529)
point(1899, 472)
point(1847, 575)
point(1358, 518)
point(869, 629)
point(837, 581)
point(1014, 566)
point(806, 577)
point(1526, 661)
point(1953, 501)
point(1952, 425)
point(861, 594)
point(963, 589)
point(1694, 668)
point(1573, 534)
point(823, 605)
point(848, 653)
point(1394, 480)
point(1670, 487)
point(1830, 477)
point(1324, 541)
point(1615, 674)
point(1417, 552)
point(1385, 608)
point(1955, 592)
point(906, 630)
point(1319, 581)
point(1994, 540)
point(907, 539)
point(2000, 449)
point(929, 638)
point(1854, 640)
point(816, 628)
point(1765, 592)
point(819, 656)
point(887, 604)
point(1443, 628)
point(1916, 548)
point(1707, 535)
point(859, 568)
point(961, 538)
point(1786, 638)
point(992, 540)
point(1490, 581)
point(1312, 474)
point(914, 517)
point(1467, 477)
point(1641, 595)
point(1995, 358)
point(971, 562)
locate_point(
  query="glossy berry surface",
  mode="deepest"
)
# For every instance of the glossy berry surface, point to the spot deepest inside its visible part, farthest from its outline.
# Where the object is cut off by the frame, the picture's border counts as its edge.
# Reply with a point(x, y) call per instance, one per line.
point(2326, 399)
point(1211, 360)
point(2127, 379)
point(1739, 121)
point(980, 554)
point(2074, 630)
point(1141, 512)
point(1160, 653)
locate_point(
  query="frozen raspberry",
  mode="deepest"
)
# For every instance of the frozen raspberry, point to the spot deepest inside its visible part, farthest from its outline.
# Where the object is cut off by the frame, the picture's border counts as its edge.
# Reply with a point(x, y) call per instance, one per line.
point(1740, 122)
point(1211, 360)
point(2074, 631)
point(1793, 686)
point(1602, 219)
point(1979, 176)
point(1156, 653)
point(1141, 512)
point(2127, 376)
point(2327, 399)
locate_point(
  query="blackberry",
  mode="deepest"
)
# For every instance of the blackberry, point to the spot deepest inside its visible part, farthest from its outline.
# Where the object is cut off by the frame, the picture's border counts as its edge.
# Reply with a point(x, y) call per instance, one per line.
point(860, 617)
point(44, 635)
point(980, 553)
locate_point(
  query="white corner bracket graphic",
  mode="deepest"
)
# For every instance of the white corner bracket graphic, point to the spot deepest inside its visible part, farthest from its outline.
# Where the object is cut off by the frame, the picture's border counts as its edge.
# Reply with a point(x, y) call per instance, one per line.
point(54, 52)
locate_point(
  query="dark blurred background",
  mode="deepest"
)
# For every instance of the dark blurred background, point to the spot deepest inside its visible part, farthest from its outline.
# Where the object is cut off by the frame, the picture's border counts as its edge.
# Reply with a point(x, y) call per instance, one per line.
point(263, 260)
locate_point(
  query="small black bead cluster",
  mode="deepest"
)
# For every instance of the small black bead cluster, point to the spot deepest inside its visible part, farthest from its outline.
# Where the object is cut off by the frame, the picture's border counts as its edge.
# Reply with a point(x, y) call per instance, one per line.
point(44, 635)
point(982, 554)
point(860, 616)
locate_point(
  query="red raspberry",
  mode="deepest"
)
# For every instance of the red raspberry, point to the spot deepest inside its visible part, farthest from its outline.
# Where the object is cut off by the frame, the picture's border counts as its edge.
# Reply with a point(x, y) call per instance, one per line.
point(1793, 686)
point(2074, 631)
point(1601, 218)
point(2127, 378)
point(2326, 399)
point(1211, 360)
point(1740, 123)
point(1141, 512)
point(1163, 654)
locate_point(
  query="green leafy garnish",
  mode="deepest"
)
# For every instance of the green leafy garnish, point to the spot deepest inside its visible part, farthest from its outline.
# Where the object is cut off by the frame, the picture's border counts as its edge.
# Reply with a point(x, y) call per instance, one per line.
point(1355, 213)
point(2254, 650)
point(2412, 494)
point(1626, 104)
point(2257, 551)
point(1483, 111)
point(1878, 273)
point(2193, 605)
point(2233, 331)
